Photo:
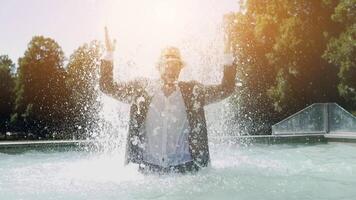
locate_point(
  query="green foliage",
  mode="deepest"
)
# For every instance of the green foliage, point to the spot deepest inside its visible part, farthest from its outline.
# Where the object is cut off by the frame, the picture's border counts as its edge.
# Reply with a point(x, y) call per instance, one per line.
point(48, 97)
point(82, 81)
point(39, 88)
point(280, 44)
point(7, 84)
point(341, 50)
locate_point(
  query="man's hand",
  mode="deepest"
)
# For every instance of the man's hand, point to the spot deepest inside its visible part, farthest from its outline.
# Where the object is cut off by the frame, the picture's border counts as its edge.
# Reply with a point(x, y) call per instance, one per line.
point(109, 44)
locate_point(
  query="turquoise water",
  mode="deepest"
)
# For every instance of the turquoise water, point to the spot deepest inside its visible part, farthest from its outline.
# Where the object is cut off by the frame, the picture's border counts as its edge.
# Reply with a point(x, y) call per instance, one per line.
point(322, 171)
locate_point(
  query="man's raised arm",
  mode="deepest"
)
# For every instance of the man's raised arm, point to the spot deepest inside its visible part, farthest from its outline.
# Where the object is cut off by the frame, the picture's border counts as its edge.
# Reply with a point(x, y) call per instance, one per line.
point(123, 91)
point(214, 93)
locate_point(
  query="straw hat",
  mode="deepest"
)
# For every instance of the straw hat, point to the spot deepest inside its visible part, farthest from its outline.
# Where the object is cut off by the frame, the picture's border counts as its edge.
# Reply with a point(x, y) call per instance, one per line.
point(170, 54)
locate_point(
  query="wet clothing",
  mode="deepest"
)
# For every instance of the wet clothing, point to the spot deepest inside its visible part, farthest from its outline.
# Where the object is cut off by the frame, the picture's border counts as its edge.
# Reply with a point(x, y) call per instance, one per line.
point(166, 129)
point(195, 96)
point(187, 167)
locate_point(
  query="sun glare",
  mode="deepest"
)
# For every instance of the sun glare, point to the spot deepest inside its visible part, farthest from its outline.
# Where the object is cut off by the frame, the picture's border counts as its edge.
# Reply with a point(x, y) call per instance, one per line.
point(142, 28)
point(167, 12)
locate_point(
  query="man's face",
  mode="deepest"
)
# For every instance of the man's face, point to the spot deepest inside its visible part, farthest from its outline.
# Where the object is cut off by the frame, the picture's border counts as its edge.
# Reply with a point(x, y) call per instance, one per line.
point(170, 70)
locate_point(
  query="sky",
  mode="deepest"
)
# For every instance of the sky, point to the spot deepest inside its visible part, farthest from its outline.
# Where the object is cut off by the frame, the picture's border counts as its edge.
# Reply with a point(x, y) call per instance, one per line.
point(141, 27)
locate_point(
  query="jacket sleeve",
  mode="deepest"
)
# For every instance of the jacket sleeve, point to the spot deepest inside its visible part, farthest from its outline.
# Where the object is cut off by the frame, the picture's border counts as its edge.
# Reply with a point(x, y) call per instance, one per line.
point(122, 91)
point(215, 93)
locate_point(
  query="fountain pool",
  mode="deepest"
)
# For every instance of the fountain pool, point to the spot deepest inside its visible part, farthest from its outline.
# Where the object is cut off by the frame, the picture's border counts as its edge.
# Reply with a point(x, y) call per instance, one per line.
point(256, 171)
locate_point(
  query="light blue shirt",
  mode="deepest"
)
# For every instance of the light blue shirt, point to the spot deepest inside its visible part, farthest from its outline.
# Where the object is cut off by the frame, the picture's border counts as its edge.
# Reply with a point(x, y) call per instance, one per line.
point(167, 130)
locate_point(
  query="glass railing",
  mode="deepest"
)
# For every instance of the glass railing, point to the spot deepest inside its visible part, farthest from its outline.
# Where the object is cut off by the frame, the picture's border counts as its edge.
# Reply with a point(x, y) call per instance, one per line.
point(319, 118)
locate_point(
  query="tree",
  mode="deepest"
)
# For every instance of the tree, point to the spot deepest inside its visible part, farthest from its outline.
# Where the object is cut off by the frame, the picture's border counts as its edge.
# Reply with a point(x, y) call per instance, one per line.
point(40, 87)
point(83, 83)
point(279, 44)
point(303, 77)
point(341, 50)
point(7, 85)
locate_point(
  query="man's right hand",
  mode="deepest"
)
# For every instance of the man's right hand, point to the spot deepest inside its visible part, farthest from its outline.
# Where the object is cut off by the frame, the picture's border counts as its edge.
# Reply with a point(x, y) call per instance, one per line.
point(109, 44)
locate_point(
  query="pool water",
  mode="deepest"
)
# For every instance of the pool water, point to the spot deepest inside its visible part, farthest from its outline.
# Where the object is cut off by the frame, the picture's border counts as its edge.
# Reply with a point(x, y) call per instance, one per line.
point(284, 171)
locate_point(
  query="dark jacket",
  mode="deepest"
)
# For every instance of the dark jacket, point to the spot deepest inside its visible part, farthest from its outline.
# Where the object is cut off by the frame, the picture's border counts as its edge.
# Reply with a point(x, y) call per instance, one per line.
point(195, 96)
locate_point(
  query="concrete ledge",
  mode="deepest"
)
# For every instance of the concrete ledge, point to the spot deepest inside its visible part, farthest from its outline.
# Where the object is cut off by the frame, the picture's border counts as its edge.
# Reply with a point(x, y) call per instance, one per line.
point(271, 139)
point(341, 137)
point(46, 143)
point(15, 146)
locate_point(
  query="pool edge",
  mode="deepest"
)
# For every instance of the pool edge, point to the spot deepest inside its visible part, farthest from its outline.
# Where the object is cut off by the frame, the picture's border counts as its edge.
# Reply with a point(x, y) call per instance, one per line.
point(248, 139)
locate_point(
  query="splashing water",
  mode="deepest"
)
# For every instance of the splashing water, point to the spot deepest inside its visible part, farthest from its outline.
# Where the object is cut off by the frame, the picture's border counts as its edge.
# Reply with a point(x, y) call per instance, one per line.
point(323, 171)
point(142, 29)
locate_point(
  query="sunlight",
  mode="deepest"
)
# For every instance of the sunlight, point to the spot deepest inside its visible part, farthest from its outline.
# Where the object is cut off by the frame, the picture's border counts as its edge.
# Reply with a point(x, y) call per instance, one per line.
point(168, 12)
point(160, 20)
point(143, 28)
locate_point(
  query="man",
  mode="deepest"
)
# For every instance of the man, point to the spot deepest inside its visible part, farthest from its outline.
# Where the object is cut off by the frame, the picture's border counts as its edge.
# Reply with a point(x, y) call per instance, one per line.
point(167, 127)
